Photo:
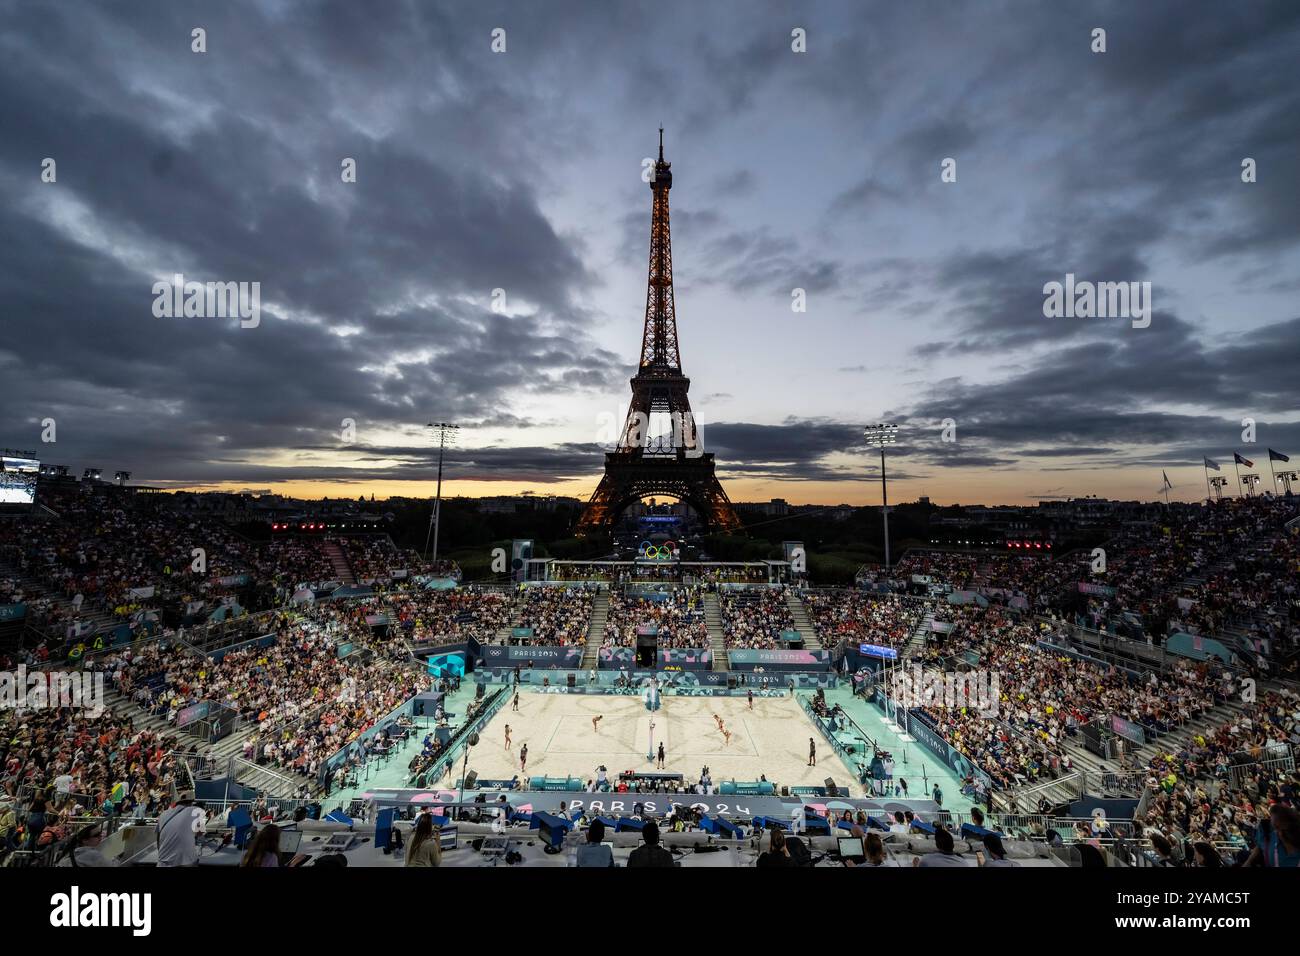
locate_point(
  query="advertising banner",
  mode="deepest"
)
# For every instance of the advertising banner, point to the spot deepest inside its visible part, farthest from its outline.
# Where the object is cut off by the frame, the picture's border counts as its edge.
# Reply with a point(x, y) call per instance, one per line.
point(446, 665)
point(617, 657)
point(685, 658)
point(955, 759)
point(747, 660)
point(499, 655)
point(738, 807)
point(1128, 730)
point(187, 715)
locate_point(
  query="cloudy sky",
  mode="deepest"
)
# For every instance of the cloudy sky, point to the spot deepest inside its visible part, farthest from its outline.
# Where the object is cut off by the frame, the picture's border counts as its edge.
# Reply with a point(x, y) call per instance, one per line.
point(521, 171)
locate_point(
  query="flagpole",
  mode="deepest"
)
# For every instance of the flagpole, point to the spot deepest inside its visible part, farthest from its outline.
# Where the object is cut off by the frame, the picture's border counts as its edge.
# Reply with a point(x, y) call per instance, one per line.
point(1206, 468)
point(1270, 472)
point(1237, 470)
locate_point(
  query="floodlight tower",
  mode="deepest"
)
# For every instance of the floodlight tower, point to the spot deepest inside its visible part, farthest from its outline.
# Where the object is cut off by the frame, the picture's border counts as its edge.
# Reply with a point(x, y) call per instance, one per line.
point(878, 436)
point(446, 436)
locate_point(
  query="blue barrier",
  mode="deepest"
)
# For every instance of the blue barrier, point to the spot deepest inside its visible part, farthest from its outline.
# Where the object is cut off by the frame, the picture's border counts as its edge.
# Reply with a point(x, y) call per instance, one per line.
point(557, 825)
point(719, 827)
point(970, 831)
point(815, 823)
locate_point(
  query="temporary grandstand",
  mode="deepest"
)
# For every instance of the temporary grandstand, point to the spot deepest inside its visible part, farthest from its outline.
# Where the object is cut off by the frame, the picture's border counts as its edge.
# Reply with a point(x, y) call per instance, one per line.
point(356, 703)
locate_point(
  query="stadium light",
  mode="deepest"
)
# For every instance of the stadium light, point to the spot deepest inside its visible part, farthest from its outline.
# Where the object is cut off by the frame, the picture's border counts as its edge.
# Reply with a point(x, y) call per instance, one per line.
point(446, 436)
point(878, 436)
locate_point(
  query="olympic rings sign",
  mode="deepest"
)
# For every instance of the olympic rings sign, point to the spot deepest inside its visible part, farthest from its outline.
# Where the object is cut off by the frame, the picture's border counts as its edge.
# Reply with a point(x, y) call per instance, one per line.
point(664, 552)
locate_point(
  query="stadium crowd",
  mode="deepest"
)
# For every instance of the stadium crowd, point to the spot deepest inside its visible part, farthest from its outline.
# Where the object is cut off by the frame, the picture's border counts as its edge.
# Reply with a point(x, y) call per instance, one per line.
point(1204, 569)
point(1223, 783)
point(58, 764)
point(305, 700)
point(755, 618)
point(373, 558)
point(557, 615)
point(948, 567)
point(1046, 696)
point(678, 619)
point(443, 616)
point(293, 563)
point(861, 616)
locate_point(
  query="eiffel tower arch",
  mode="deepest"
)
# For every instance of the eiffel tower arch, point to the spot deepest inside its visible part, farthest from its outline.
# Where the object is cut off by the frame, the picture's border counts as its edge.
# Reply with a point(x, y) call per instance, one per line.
point(673, 465)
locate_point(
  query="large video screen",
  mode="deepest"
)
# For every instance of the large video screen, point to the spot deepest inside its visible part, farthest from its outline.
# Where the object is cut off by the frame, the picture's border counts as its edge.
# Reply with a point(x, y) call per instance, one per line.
point(18, 480)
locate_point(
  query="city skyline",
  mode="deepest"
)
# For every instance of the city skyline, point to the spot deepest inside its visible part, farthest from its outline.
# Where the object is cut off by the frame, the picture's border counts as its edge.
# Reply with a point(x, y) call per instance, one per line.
point(487, 265)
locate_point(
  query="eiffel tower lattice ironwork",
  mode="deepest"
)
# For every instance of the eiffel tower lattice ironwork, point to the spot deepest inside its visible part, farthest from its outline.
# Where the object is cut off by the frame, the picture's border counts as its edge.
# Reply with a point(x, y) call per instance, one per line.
point(671, 462)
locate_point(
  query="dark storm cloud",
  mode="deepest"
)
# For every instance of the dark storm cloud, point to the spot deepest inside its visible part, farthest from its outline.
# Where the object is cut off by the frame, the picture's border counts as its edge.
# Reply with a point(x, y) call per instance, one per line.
point(246, 187)
point(1108, 400)
point(411, 463)
point(796, 450)
point(791, 441)
point(1133, 150)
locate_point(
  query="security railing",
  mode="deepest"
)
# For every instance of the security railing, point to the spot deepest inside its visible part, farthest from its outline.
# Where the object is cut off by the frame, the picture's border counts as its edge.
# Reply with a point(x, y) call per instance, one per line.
point(1070, 782)
point(1237, 773)
point(271, 782)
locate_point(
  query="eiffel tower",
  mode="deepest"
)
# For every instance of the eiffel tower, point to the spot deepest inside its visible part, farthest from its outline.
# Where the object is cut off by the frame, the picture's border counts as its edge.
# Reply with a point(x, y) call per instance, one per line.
point(672, 465)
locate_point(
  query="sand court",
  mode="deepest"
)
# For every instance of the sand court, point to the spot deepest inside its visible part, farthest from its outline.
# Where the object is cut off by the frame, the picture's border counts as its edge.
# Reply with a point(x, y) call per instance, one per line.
point(771, 740)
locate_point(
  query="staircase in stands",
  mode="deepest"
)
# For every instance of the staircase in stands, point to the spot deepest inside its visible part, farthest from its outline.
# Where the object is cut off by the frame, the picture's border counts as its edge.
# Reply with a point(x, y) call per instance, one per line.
point(916, 641)
point(34, 590)
point(596, 630)
point(334, 552)
point(717, 640)
point(225, 754)
point(803, 621)
point(1093, 767)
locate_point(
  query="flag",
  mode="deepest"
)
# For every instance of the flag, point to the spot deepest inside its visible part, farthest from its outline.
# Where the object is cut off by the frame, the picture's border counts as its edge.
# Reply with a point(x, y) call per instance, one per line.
point(1277, 456)
point(1242, 461)
point(1211, 464)
point(1166, 477)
